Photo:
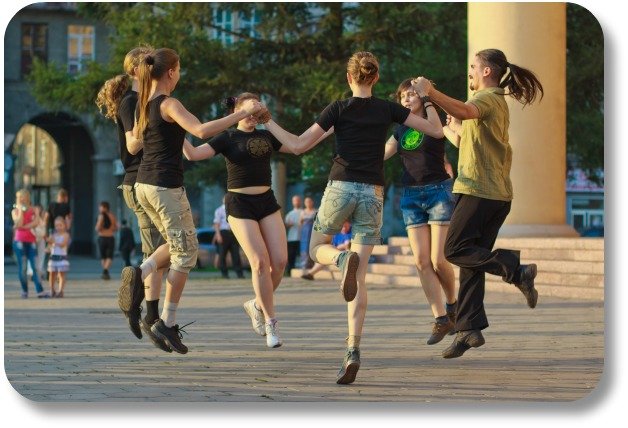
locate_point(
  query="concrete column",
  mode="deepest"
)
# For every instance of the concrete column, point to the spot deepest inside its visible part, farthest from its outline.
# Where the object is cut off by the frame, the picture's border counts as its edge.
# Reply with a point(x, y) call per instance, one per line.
point(533, 36)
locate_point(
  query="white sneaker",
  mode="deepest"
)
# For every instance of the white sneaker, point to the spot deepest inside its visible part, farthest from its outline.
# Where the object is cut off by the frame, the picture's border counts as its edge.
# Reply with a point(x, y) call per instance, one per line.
point(272, 338)
point(257, 317)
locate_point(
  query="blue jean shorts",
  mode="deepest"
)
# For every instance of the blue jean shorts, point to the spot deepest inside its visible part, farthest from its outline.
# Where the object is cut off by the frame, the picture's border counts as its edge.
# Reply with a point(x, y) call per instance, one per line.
point(359, 203)
point(428, 204)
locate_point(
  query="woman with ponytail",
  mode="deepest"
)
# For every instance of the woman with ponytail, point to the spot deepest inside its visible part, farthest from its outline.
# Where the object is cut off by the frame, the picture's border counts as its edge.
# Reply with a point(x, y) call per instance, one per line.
point(117, 100)
point(160, 128)
point(355, 191)
point(480, 128)
point(252, 210)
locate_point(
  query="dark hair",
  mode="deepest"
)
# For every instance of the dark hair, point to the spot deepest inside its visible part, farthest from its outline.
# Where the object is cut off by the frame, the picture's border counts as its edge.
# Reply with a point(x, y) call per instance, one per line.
point(105, 204)
point(522, 84)
point(152, 66)
point(231, 103)
point(403, 86)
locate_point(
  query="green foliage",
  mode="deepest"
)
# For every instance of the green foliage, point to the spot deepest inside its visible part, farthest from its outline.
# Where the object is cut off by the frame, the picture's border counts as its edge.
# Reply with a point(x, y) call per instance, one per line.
point(585, 91)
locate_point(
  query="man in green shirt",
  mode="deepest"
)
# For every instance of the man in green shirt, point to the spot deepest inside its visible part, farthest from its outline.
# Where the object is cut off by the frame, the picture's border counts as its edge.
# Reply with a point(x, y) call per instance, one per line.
point(480, 128)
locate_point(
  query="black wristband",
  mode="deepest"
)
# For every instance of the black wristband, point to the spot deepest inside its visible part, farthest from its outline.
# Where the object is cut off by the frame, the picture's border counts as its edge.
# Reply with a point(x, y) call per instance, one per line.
point(425, 99)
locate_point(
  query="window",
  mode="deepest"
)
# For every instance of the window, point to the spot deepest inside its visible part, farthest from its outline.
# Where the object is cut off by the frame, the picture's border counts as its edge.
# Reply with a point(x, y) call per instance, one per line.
point(80, 47)
point(34, 45)
point(223, 18)
point(247, 24)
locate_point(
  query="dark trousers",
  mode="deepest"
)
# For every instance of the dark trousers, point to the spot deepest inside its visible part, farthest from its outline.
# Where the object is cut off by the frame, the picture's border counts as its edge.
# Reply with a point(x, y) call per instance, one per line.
point(473, 229)
point(126, 257)
point(230, 244)
point(294, 248)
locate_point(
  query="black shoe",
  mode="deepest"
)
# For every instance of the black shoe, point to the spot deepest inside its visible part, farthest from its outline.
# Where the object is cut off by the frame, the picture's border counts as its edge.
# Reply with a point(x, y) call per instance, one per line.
point(134, 316)
point(131, 291)
point(527, 275)
point(160, 343)
point(105, 275)
point(439, 331)
point(464, 340)
point(349, 368)
point(308, 276)
point(171, 335)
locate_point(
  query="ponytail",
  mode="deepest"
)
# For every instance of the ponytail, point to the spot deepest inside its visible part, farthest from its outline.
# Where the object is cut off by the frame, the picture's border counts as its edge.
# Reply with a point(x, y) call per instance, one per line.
point(110, 95)
point(522, 84)
point(144, 86)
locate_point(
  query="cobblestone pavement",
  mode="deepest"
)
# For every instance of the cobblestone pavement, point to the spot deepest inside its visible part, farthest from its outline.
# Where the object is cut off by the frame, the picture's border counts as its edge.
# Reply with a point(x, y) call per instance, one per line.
point(79, 348)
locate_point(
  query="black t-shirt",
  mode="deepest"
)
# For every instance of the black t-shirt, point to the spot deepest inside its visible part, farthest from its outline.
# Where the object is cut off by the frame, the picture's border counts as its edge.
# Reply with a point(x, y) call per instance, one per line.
point(162, 161)
point(422, 157)
point(57, 209)
point(125, 122)
point(361, 127)
point(247, 155)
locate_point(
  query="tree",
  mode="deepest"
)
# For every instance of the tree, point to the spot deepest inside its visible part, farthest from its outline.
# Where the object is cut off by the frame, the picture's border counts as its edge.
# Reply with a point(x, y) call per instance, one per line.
point(585, 91)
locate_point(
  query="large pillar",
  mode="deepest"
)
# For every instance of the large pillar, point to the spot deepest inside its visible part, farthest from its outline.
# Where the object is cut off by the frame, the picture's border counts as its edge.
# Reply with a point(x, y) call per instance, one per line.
point(532, 35)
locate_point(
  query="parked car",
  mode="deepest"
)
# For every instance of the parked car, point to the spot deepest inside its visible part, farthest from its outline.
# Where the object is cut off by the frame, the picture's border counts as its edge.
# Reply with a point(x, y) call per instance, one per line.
point(207, 250)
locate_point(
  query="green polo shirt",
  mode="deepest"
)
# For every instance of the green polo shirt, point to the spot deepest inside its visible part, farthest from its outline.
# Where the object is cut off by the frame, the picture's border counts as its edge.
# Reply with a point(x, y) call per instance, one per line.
point(485, 156)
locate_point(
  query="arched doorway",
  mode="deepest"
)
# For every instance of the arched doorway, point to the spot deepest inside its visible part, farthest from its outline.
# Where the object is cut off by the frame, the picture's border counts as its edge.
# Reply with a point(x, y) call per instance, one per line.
point(53, 151)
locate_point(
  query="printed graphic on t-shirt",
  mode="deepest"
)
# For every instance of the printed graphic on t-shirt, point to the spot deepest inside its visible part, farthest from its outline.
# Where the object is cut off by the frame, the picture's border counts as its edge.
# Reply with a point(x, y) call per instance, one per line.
point(258, 147)
point(412, 139)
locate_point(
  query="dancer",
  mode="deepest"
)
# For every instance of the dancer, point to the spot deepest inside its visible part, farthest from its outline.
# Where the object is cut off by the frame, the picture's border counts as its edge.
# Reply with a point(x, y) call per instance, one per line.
point(162, 122)
point(426, 204)
point(252, 210)
point(117, 100)
point(355, 190)
point(58, 264)
point(484, 188)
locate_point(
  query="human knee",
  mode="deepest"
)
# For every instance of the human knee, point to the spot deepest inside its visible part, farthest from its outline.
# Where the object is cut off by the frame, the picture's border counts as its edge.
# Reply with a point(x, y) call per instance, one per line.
point(259, 264)
point(440, 264)
point(423, 264)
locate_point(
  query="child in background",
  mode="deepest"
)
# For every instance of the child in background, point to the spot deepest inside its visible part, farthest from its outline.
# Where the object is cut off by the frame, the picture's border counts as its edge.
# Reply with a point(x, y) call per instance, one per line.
point(58, 265)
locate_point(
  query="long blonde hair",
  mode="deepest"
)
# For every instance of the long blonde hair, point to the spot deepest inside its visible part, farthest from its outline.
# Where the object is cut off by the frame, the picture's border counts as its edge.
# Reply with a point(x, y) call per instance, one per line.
point(363, 68)
point(152, 66)
point(113, 90)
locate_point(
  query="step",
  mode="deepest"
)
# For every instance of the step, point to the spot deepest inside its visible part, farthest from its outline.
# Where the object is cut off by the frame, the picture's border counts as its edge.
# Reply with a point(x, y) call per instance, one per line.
point(568, 290)
point(521, 243)
point(526, 253)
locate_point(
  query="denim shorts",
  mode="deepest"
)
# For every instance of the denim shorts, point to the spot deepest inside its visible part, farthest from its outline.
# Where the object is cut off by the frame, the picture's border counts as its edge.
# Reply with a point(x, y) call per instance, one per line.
point(360, 203)
point(427, 204)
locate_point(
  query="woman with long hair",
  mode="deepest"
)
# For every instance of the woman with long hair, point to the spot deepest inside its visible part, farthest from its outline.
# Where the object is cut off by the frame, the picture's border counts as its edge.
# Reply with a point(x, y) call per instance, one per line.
point(24, 241)
point(355, 190)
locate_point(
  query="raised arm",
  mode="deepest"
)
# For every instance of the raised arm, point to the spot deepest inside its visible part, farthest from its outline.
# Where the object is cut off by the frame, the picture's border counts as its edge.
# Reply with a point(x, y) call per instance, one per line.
point(390, 148)
point(452, 106)
point(191, 153)
point(172, 109)
point(301, 144)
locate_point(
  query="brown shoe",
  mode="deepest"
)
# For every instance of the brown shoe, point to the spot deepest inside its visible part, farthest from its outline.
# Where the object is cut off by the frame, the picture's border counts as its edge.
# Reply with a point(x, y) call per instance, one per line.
point(439, 331)
point(526, 286)
point(463, 341)
point(308, 276)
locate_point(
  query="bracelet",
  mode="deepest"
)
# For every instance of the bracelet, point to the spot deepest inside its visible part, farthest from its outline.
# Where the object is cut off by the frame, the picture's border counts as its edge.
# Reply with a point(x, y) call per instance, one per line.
point(426, 105)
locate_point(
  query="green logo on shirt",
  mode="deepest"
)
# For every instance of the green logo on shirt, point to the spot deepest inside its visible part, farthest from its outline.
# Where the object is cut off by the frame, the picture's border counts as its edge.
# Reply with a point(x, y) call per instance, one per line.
point(412, 139)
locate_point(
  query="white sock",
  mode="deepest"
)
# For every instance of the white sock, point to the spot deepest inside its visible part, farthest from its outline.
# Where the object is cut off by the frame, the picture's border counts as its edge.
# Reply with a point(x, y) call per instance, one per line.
point(148, 266)
point(168, 313)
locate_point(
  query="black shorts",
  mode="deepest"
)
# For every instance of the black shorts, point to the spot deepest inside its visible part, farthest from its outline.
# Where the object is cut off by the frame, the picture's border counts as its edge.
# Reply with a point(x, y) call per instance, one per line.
point(106, 245)
point(252, 207)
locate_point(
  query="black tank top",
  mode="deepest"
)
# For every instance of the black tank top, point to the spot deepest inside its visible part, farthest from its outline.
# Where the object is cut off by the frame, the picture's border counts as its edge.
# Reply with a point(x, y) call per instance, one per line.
point(162, 161)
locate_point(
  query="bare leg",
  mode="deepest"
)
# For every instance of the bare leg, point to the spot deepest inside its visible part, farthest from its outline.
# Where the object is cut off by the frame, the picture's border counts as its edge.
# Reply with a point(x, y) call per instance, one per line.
point(420, 242)
point(249, 235)
point(274, 234)
point(442, 267)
